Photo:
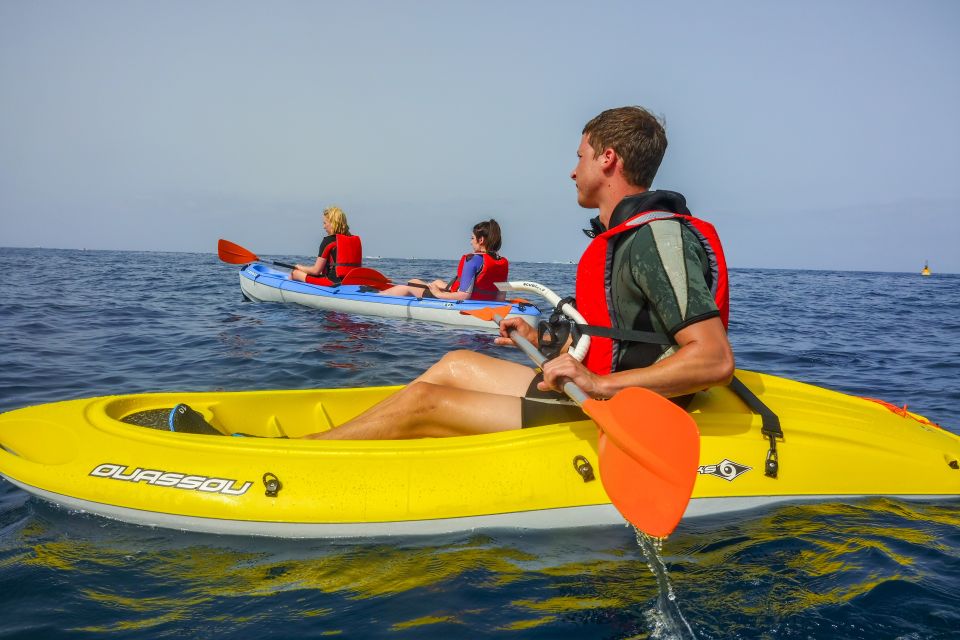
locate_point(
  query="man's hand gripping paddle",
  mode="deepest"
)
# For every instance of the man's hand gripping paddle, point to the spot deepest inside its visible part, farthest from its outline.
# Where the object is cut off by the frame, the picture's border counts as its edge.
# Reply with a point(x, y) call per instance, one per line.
point(233, 253)
point(649, 448)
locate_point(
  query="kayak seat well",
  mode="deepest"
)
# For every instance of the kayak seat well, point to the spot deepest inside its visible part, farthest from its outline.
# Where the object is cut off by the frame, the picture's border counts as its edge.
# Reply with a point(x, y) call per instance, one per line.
point(264, 414)
point(291, 420)
point(189, 420)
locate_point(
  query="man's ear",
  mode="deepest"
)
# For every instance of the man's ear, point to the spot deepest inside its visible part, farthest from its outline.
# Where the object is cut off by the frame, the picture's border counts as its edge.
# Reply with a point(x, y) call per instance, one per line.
point(608, 159)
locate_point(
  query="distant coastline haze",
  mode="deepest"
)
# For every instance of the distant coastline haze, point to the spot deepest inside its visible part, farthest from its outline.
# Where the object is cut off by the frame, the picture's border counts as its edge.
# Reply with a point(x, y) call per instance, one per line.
point(815, 135)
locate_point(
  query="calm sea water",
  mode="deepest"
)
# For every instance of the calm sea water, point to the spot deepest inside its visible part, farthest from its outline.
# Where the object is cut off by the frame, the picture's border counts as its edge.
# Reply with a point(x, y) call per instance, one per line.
point(84, 323)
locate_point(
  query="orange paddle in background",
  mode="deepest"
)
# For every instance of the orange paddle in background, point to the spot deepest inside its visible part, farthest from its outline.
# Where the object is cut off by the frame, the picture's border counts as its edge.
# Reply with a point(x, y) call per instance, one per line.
point(233, 253)
point(649, 448)
point(373, 278)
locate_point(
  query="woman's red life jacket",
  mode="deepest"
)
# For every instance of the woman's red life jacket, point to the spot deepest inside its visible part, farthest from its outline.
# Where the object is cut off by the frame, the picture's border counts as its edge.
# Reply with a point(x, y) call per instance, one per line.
point(493, 270)
point(344, 254)
point(349, 254)
point(593, 286)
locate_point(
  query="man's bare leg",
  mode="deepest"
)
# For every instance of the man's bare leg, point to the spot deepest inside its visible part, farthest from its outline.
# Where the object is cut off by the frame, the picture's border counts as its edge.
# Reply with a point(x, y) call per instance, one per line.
point(464, 393)
point(478, 372)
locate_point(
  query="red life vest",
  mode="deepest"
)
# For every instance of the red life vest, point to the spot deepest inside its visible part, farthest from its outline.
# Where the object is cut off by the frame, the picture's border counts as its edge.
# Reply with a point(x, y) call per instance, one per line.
point(594, 280)
point(348, 254)
point(493, 270)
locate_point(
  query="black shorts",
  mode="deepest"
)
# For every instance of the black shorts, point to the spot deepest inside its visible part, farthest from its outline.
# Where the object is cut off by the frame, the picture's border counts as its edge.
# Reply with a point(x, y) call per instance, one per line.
point(538, 408)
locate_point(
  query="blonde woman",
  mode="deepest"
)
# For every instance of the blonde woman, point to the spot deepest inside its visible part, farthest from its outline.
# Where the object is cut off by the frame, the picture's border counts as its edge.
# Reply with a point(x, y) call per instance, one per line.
point(340, 251)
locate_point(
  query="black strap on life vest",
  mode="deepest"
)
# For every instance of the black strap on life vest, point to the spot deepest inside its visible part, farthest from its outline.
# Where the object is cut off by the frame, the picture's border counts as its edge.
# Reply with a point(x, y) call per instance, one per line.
point(626, 335)
point(771, 424)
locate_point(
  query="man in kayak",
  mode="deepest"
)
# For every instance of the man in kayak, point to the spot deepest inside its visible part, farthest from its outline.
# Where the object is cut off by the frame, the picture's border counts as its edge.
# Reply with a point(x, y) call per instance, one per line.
point(651, 268)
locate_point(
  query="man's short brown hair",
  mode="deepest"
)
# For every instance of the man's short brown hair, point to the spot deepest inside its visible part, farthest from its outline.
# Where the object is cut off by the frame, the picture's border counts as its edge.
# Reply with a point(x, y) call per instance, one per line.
point(636, 135)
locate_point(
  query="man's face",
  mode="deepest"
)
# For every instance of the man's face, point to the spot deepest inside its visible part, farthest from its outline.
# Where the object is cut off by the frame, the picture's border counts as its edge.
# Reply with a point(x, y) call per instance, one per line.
point(588, 175)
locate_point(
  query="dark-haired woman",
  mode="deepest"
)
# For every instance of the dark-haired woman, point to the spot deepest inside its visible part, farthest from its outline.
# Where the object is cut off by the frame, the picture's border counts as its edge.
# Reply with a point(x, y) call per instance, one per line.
point(476, 273)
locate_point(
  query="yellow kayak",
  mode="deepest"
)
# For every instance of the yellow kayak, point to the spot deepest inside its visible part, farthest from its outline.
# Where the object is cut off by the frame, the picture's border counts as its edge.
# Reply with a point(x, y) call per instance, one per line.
point(81, 454)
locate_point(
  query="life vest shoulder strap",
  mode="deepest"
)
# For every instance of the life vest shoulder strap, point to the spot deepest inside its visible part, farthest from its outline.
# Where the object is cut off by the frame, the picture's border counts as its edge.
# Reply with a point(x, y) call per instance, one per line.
point(709, 240)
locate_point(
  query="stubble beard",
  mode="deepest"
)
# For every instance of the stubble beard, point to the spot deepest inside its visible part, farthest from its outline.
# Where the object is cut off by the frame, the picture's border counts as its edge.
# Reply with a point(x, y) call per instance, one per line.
point(584, 200)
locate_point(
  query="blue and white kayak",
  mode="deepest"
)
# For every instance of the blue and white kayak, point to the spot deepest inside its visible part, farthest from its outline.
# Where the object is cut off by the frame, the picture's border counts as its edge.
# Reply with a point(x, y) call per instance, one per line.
point(261, 283)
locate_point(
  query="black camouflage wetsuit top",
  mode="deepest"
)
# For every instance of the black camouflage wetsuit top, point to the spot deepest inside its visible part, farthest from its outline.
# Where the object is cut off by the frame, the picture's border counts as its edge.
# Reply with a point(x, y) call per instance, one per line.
point(660, 282)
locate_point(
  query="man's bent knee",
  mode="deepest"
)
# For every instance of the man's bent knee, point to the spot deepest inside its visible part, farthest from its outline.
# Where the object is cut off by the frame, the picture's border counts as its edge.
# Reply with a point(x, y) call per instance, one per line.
point(449, 368)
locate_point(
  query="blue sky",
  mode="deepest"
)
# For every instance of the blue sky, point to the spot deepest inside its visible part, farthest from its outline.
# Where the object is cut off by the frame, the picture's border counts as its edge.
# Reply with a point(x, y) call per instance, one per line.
point(815, 134)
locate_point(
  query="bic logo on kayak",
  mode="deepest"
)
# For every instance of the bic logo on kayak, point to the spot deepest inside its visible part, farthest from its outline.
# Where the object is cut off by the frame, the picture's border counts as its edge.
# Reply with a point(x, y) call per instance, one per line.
point(160, 478)
point(728, 470)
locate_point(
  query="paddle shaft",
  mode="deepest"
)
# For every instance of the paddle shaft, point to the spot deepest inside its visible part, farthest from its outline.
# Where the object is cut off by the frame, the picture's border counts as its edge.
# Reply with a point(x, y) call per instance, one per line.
point(347, 279)
point(574, 392)
point(372, 277)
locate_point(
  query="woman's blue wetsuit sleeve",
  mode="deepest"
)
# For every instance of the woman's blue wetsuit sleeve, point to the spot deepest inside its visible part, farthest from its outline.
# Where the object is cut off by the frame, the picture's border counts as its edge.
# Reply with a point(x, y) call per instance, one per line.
point(470, 270)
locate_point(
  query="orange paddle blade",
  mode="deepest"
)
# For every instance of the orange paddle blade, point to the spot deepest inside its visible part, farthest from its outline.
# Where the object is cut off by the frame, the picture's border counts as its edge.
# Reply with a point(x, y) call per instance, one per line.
point(234, 253)
point(488, 313)
point(368, 277)
point(649, 452)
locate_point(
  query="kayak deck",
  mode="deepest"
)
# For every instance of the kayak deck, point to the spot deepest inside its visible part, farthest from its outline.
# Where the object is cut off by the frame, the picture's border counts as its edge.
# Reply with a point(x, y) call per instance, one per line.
point(80, 454)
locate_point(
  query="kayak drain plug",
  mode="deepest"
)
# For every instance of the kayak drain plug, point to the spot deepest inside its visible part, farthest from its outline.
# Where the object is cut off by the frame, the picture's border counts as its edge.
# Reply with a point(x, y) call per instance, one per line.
point(582, 465)
point(272, 484)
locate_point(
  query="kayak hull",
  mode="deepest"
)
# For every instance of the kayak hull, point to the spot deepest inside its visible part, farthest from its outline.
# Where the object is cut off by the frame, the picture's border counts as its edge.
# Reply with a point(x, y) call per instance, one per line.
point(558, 518)
point(260, 283)
point(79, 454)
